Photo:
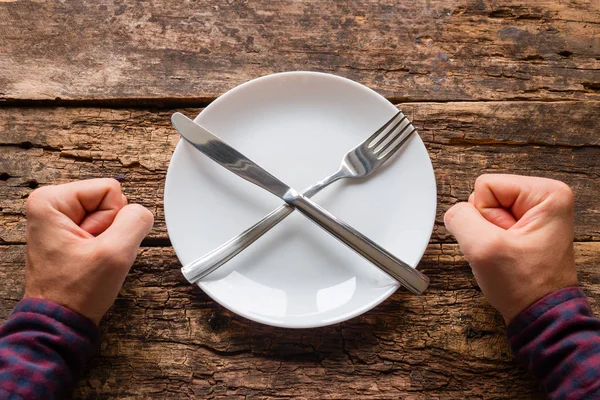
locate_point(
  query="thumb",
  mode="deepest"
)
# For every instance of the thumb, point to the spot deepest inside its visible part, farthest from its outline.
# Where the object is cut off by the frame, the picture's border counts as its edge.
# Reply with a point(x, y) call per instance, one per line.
point(131, 225)
point(467, 224)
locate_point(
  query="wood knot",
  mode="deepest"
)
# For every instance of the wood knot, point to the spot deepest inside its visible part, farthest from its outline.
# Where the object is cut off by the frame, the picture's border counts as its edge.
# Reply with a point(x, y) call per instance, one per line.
point(218, 322)
point(474, 333)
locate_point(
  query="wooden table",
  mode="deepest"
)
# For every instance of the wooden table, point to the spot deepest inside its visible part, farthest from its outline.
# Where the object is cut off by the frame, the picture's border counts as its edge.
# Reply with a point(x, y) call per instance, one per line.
point(87, 88)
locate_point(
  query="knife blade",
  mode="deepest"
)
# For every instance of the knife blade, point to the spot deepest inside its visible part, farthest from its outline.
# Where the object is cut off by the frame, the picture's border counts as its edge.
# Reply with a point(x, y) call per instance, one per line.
point(228, 157)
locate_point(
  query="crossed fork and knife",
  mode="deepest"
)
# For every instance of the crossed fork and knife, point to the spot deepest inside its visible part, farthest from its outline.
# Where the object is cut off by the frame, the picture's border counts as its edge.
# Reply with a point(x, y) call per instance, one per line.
point(359, 162)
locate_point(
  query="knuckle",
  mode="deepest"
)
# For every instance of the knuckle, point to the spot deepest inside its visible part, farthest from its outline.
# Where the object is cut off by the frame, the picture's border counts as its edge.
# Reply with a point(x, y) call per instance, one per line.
point(564, 194)
point(37, 198)
point(484, 179)
point(566, 191)
point(112, 184)
point(115, 184)
point(481, 179)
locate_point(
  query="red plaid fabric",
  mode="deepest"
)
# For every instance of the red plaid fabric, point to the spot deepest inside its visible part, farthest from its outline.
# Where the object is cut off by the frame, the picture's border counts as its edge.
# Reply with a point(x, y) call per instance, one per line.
point(558, 340)
point(43, 350)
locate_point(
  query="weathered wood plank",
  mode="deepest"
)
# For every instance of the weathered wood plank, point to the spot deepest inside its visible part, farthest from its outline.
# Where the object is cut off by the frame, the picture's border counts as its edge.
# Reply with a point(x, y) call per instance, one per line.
point(167, 338)
point(162, 51)
point(41, 146)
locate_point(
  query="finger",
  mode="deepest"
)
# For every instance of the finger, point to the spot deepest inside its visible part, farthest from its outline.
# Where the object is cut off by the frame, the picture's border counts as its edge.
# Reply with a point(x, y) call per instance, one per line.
point(99, 220)
point(468, 226)
point(497, 216)
point(78, 199)
point(131, 225)
point(512, 193)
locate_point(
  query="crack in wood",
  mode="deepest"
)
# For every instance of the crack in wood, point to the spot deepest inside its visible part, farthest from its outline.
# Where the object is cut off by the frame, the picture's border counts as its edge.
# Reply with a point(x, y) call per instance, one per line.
point(490, 87)
point(463, 142)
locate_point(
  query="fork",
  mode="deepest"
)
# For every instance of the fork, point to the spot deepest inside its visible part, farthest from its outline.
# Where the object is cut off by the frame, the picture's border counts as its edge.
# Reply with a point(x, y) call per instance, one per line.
point(359, 162)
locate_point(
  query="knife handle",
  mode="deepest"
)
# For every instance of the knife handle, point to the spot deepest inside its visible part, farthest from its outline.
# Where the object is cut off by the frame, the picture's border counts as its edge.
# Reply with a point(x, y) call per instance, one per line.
point(409, 277)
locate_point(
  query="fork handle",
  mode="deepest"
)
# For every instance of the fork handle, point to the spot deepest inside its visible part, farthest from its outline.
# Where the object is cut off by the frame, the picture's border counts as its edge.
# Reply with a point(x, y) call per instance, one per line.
point(410, 278)
point(205, 265)
point(208, 263)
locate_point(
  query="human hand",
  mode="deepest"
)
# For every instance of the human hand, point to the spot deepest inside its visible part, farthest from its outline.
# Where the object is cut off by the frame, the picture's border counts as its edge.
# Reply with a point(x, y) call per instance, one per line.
point(516, 232)
point(82, 239)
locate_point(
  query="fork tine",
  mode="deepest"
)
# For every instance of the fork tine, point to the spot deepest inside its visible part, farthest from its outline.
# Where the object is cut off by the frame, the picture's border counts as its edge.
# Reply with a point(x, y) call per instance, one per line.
point(397, 146)
point(380, 130)
point(394, 134)
point(391, 134)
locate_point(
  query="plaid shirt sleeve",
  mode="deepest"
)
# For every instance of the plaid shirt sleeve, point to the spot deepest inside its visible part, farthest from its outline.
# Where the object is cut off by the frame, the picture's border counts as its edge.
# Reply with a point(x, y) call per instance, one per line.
point(43, 350)
point(558, 340)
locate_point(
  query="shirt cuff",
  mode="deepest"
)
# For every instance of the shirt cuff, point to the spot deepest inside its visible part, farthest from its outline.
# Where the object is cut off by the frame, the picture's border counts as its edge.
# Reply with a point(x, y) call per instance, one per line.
point(61, 314)
point(542, 306)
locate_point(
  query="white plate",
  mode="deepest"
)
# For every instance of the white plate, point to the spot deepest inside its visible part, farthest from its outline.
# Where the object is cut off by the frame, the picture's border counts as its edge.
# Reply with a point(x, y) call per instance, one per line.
point(298, 125)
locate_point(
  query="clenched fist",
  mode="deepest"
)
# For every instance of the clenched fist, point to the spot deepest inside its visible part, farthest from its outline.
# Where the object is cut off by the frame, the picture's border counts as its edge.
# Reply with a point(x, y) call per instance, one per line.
point(82, 239)
point(516, 232)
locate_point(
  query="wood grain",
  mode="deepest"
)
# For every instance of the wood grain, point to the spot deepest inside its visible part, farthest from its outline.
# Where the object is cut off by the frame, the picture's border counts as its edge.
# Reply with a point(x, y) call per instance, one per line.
point(167, 339)
point(161, 52)
point(492, 86)
point(42, 146)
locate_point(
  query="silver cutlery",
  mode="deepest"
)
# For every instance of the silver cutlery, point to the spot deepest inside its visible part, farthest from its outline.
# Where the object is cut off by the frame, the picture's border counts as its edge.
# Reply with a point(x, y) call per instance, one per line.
point(357, 162)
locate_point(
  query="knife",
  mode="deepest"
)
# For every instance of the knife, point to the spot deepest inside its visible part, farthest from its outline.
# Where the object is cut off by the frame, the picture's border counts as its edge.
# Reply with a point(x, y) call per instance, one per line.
point(228, 157)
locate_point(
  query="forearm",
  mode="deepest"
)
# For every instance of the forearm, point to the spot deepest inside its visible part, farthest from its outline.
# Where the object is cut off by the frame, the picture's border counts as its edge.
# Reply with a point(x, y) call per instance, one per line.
point(43, 349)
point(558, 340)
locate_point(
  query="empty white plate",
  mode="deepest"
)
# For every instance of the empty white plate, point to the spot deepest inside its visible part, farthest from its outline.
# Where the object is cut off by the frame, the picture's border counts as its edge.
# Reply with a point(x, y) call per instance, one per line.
point(298, 125)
